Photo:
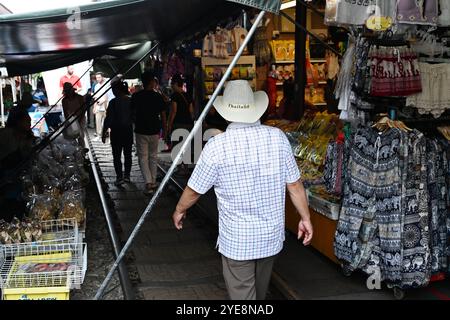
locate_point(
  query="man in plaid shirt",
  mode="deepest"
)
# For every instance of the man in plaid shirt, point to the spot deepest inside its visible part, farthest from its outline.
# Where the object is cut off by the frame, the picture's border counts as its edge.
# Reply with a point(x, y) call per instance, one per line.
point(250, 167)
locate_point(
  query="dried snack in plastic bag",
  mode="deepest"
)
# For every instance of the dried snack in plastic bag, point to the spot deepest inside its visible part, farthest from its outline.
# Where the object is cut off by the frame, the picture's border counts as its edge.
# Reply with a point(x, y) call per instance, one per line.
point(43, 207)
point(36, 230)
point(26, 231)
point(73, 183)
point(5, 238)
point(14, 231)
point(72, 207)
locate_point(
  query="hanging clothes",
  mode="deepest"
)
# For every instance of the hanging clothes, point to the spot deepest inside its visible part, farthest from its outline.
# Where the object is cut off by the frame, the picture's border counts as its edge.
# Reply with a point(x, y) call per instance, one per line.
point(444, 17)
point(416, 245)
point(435, 96)
point(394, 72)
point(437, 168)
point(417, 12)
point(357, 12)
point(369, 229)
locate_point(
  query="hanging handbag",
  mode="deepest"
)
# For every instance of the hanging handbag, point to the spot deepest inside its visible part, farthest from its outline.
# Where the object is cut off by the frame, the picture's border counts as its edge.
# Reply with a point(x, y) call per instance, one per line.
point(334, 163)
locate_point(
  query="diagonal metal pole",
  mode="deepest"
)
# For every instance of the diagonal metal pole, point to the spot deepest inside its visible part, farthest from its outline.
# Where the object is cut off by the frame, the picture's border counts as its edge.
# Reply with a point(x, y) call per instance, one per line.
point(197, 126)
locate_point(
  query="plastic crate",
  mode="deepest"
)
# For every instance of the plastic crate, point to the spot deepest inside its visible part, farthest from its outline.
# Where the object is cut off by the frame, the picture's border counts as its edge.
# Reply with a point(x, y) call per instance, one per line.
point(60, 231)
point(43, 266)
point(45, 293)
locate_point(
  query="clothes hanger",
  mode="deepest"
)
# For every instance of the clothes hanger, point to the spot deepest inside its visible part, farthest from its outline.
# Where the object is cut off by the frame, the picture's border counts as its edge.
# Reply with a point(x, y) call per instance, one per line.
point(445, 131)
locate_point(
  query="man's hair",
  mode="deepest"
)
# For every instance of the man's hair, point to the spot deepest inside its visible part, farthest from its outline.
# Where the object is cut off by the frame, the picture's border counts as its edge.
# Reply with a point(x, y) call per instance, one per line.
point(147, 77)
point(99, 74)
point(16, 114)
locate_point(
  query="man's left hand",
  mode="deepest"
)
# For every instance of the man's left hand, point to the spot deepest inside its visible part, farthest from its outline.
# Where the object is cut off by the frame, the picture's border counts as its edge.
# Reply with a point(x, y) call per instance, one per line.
point(178, 218)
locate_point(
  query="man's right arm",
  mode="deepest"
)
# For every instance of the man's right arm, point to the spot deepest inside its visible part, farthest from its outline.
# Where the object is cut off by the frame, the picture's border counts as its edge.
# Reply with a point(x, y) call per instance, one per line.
point(298, 197)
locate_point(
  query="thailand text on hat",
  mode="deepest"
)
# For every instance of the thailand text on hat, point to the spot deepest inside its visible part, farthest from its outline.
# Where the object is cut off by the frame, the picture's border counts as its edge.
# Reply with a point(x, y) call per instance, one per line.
point(240, 104)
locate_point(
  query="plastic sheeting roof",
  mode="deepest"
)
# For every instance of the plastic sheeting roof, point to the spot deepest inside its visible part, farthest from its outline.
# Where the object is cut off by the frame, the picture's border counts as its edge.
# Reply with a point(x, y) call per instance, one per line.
point(46, 40)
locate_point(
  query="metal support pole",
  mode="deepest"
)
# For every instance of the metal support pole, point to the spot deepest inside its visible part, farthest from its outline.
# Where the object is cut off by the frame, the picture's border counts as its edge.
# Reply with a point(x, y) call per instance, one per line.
point(127, 288)
point(300, 59)
point(2, 106)
point(13, 89)
point(197, 126)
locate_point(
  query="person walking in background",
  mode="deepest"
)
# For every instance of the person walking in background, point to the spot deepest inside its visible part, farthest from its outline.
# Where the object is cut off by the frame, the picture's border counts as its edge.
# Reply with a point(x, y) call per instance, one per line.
point(101, 105)
point(119, 123)
point(181, 114)
point(149, 118)
point(70, 77)
point(250, 177)
point(287, 109)
point(72, 104)
point(181, 110)
point(89, 112)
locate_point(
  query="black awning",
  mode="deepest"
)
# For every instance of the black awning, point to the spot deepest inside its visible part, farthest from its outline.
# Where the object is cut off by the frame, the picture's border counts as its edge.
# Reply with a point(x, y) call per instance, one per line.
point(46, 40)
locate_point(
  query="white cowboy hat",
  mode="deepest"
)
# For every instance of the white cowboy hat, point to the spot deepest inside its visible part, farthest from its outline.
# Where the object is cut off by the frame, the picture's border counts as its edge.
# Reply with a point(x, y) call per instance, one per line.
point(240, 104)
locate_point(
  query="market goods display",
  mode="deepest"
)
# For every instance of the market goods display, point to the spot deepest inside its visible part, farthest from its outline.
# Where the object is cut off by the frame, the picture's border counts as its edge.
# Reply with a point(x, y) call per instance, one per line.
point(54, 185)
point(72, 207)
point(41, 267)
point(20, 232)
point(283, 125)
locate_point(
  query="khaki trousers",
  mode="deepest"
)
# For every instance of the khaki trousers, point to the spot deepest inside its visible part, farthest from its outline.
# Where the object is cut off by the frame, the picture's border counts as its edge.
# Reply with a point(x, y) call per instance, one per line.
point(147, 151)
point(99, 119)
point(247, 280)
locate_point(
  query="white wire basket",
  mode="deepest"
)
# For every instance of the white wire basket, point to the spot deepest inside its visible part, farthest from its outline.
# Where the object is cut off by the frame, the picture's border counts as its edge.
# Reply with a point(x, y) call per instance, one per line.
point(53, 232)
point(45, 265)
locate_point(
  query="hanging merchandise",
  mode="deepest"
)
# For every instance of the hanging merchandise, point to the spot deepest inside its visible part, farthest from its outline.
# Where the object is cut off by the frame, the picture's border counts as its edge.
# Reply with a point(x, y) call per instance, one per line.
point(437, 168)
point(238, 35)
point(208, 45)
point(417, 12)
point(435, 96)
point(357, 12)
point(220, 47)
point(368, 232)
point(416, 249)
point(334, 165)
point(272, 90)
point(261, 46)
point(394, 218)
point(444, 17)
point(394, 72)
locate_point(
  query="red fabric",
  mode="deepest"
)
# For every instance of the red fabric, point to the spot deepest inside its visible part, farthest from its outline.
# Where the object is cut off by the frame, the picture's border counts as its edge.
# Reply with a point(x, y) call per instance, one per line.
point(272, 93)
point(73, 79)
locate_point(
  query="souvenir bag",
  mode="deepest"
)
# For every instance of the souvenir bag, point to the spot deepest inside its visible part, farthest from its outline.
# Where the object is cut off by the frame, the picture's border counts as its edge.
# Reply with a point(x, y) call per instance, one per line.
point(334, 162)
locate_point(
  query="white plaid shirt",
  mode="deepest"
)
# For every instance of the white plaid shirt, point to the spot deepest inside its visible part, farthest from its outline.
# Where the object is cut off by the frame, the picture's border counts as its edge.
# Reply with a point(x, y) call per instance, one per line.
point(249, 166)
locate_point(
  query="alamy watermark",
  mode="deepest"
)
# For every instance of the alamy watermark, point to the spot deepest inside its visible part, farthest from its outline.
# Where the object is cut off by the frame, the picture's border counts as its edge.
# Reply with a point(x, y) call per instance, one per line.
point(74, 20)
point(374, 280)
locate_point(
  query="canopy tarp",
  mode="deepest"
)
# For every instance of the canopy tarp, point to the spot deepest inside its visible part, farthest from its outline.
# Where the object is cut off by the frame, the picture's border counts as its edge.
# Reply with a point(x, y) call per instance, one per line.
point(47, 40)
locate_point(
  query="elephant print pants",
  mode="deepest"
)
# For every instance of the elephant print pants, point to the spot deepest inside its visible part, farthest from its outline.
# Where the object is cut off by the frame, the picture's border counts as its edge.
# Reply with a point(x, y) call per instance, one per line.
point(368, 236)
point(416, 235)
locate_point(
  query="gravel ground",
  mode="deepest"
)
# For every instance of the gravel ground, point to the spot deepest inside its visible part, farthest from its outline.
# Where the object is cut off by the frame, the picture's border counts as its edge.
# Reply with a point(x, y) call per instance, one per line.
point(100, 252)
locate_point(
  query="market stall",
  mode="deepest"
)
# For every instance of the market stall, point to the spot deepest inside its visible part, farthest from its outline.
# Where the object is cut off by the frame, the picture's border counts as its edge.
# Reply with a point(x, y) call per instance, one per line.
point(42, 254)
point(383, 207)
